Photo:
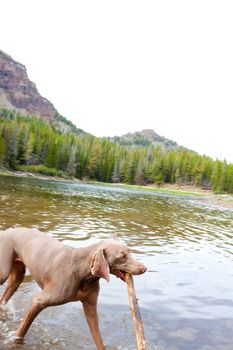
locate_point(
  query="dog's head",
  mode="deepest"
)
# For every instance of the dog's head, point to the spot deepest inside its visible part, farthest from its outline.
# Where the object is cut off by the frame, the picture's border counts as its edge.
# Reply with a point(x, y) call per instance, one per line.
point(114, 257)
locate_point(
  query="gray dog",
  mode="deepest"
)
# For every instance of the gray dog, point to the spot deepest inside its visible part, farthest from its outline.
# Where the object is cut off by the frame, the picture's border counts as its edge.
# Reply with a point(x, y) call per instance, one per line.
point(64, 273)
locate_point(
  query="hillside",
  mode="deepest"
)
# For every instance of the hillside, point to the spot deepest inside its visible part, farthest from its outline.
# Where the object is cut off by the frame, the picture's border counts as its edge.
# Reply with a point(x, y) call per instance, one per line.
point(32, 144)
point(19, 94)
point(34, 137)
point(145, 138)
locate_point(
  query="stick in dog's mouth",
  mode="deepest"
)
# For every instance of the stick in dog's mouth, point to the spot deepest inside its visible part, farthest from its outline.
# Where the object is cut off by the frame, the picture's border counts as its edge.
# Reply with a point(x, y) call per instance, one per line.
point(120, 274)
point(136, 316)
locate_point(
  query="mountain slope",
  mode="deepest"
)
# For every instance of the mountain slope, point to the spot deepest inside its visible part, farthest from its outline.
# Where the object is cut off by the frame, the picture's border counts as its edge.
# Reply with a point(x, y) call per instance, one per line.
point(19, 94)
point(145, 138)
point(51, 144)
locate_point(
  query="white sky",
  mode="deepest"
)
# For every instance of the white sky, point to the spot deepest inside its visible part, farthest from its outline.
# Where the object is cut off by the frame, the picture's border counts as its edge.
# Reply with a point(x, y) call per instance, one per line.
point(118, 66)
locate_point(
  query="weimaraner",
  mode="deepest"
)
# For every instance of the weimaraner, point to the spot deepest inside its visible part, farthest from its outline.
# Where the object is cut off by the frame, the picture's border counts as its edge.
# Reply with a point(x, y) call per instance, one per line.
point(64, 273)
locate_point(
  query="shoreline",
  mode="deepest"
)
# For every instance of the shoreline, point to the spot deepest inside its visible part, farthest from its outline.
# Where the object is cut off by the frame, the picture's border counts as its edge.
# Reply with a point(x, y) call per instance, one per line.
point(206, 196)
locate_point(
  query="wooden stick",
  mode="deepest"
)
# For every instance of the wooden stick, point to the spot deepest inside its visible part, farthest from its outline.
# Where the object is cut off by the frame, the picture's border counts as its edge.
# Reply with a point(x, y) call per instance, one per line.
point(137, 320)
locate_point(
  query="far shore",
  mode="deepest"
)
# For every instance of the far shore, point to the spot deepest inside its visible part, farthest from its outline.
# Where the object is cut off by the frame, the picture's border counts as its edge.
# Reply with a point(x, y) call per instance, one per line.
point(207, 196)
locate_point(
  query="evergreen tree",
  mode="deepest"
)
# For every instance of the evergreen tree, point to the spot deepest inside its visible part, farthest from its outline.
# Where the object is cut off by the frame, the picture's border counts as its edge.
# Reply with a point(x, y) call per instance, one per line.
point(27, 141)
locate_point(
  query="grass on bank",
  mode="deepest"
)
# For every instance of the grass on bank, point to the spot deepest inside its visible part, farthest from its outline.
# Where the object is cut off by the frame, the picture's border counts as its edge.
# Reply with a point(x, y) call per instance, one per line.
point(164, 190)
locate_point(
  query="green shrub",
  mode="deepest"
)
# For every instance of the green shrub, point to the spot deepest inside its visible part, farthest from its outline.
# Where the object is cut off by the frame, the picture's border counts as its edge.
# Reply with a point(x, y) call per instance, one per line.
point(41, 169)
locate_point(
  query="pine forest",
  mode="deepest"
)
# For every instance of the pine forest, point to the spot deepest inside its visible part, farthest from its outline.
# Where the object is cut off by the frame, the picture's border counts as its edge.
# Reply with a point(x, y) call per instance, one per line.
point(34, 145)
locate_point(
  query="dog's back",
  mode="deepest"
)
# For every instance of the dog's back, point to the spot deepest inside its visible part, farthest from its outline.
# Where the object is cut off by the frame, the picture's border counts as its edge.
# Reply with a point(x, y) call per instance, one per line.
point(36, 250)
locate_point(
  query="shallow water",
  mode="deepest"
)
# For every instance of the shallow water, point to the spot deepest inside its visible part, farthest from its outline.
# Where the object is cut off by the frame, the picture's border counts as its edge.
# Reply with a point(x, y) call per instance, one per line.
point(185, 297)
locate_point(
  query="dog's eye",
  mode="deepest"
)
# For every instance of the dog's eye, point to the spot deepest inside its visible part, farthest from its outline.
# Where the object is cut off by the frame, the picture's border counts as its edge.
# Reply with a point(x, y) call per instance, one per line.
point(121, 258)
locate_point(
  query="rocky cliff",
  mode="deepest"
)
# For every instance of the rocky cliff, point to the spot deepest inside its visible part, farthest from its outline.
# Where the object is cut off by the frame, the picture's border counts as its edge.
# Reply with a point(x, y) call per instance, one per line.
point(18, 93)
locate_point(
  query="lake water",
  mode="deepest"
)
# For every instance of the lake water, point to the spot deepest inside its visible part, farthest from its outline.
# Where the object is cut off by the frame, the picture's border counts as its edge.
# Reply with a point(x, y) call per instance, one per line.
point(185, 297)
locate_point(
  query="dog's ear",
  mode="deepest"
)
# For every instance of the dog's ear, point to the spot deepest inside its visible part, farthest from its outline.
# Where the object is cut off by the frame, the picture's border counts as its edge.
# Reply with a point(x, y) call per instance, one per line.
point(99, 265)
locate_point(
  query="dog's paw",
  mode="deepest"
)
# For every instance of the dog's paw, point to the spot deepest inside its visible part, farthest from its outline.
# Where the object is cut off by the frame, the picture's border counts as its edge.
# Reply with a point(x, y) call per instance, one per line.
point(13, 337)
point(2, 306)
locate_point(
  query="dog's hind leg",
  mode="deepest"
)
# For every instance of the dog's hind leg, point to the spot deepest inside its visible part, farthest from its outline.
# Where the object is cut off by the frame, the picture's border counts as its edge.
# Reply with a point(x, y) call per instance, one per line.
point(6, 257)
point(39, 303)
point(14, 280)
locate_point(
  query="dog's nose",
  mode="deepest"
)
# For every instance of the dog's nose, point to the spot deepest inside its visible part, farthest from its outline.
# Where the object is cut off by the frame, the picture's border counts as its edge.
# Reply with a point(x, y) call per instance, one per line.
point(143, 269)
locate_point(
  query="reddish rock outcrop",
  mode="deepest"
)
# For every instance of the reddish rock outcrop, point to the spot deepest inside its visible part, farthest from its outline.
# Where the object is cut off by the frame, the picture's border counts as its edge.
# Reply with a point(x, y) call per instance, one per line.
point(17, 92)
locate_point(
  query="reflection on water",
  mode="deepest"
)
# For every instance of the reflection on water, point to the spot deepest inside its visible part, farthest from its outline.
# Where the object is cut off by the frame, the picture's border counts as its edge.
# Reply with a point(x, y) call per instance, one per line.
point(186, 295)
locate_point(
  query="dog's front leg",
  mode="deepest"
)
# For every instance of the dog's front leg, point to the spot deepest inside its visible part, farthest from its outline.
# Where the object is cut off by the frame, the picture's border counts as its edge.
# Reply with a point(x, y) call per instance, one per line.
point(90, 310)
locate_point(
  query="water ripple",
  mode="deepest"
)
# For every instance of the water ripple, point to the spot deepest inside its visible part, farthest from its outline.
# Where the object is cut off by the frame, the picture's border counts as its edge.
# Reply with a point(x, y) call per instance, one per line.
point(187, 247)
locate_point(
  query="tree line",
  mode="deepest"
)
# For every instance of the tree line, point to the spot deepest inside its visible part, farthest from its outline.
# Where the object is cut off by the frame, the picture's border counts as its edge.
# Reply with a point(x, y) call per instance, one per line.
point(31, 144)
